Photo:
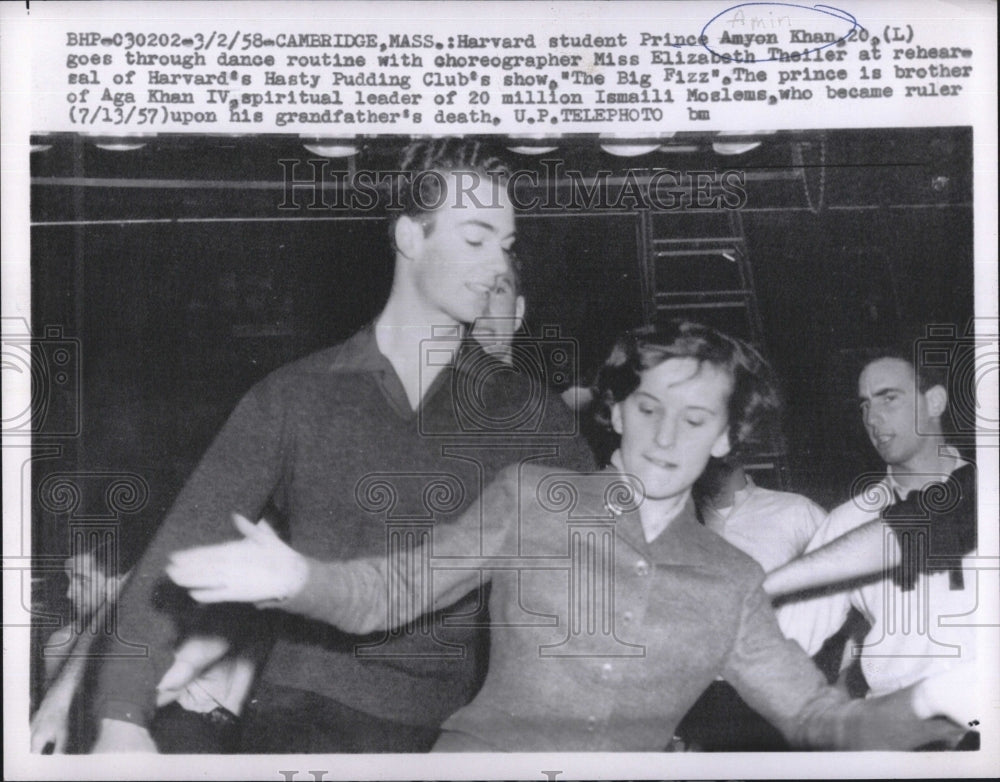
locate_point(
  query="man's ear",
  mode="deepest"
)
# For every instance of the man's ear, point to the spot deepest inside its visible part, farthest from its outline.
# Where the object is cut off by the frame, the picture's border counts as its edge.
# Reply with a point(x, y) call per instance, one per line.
point(518, 312)
point(616, 417)
point(721, 447)
point(409, 235)
point(937, 400)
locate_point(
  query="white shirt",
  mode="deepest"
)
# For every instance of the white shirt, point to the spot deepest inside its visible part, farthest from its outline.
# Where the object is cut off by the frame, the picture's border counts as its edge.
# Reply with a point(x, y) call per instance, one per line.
point(915, 633)
point(773, 527)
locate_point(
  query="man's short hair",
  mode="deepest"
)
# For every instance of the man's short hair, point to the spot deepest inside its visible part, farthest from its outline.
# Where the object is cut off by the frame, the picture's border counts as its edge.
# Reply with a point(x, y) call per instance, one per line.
point(419, 195)
point(113, 553)
point(927, 376)
point(754, 404)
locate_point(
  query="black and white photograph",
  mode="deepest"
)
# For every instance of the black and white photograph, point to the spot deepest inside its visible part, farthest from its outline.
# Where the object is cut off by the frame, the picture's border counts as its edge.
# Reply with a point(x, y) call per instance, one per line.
point(500, 451)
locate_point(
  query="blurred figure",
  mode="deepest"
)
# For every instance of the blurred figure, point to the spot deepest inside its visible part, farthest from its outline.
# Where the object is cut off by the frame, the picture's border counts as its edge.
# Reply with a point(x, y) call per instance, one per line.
point(503, 316)
point(202, 715)
point(93, 584)
point(93, 581)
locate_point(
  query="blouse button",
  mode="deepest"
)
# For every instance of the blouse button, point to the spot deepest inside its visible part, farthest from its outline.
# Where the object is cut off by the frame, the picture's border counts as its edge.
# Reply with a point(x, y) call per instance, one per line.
point(606, 671)
point(642, 568)
point(627, 616)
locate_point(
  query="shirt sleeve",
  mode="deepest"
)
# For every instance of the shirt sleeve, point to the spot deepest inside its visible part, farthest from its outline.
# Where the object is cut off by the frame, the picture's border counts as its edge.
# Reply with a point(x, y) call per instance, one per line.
point(238, 473)
point(778, 680)
point(374, 593)
point(811, 618)
point(811, 519)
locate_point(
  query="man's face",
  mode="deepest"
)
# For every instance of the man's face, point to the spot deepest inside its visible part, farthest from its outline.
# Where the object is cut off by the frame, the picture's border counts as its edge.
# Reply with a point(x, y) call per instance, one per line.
point(894, 411)
point(504, 312)
point(88, 586)
point(456, 266)
point(672, 424)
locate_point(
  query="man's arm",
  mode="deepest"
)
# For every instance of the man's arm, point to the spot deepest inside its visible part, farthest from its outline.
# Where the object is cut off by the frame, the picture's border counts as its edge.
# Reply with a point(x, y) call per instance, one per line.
point(362, 595)
point(50, 724)
point(56, 650)
point(238, 472)
point(947, 509)
point(864, 551)
point(192, 658)
point(778, 680)
point(810, 618)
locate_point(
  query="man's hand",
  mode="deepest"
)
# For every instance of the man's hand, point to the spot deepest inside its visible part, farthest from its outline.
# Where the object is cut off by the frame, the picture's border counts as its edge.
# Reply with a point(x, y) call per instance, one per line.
point(257, 569)
point(191, 658)
point(50, 725)
point(121, 736)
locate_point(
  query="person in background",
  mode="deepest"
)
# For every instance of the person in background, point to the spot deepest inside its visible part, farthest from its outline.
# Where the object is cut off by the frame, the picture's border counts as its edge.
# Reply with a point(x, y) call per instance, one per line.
point(649, 605)
point(202, 715)
point(497, 328)
point(395, 423)
point(924, 506)
point(773, 527)
point(93, 583)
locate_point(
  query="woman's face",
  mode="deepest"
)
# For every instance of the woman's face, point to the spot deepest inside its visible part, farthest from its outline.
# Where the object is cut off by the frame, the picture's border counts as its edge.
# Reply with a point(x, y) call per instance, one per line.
point(672, 424)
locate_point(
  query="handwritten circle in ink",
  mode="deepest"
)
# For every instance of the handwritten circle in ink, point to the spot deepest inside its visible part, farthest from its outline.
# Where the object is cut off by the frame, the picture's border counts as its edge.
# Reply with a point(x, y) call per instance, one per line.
point(767, 32)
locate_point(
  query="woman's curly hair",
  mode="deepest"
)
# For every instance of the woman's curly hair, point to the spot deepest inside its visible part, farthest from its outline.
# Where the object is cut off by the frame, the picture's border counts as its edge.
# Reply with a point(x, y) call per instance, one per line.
point(754, 404)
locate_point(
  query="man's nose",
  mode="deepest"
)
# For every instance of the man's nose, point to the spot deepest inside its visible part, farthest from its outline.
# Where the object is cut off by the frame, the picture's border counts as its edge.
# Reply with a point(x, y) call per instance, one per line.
point(497, 263)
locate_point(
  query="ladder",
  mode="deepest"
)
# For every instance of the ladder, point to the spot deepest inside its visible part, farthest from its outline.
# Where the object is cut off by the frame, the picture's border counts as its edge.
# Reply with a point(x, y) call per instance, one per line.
point(696, 266)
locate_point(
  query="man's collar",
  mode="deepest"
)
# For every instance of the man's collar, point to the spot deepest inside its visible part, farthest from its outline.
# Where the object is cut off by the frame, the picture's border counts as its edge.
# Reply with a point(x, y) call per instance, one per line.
point(360, 352)
point(902, 491)
point(739, 497)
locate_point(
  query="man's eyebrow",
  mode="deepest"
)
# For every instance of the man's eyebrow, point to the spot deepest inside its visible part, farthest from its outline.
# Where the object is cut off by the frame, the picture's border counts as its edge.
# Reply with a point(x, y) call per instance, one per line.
point(479, 223)
point(885, 390)
point(487, 226)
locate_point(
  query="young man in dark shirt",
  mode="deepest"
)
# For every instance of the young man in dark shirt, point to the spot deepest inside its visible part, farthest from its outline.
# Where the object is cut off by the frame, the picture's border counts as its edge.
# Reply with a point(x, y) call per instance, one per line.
point(363, 447)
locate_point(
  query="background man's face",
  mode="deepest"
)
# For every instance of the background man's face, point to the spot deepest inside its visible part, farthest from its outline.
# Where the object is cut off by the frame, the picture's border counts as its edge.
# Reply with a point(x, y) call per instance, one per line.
point(672, 424)
point(894, 411)
point(457, 265)
point(502, 318)
point(88, 586)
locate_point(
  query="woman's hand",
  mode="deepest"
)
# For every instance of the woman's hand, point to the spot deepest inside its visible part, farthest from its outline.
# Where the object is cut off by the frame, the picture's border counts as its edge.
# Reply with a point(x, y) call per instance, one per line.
point(260, 568)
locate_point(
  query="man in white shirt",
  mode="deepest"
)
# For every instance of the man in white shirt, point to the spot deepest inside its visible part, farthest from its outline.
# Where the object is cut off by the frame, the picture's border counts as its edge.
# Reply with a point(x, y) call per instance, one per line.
point(919, 613)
